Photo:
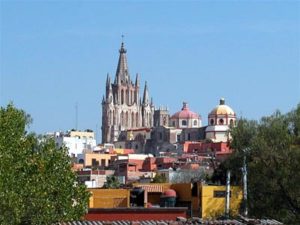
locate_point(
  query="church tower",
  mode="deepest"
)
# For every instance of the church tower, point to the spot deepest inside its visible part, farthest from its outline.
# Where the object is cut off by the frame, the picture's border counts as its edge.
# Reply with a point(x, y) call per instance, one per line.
point(122, 107)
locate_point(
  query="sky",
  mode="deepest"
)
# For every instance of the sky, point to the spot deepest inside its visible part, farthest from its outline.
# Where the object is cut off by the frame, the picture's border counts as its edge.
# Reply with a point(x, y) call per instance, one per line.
point(55, 55)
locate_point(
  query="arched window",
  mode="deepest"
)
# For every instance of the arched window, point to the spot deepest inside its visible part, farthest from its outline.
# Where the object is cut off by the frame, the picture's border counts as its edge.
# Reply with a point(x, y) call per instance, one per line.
point(132, 119)
point(231, 122)
point(114, 118)
point(122, 97)
point(111, 118)
point(212, 122)
point(183, 123)
point(160, 136)
point(195, 122)
point(137, 119)
point(126, 119)
point(122, 119)
point(221, 121)
point(164, 121)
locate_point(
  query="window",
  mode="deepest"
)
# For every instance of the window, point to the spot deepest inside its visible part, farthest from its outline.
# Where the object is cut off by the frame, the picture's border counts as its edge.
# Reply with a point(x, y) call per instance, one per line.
point(195, 123)
point(231, 122)
point(122, 97)
point(220, 194)
point(212, 122)
point(189, 136)
point(160, 136)
point(195, 190)
point(164, 121)
point(174, 124)
point(221, 121)
point(183, 123)
point(103, 162)
point(95, 162)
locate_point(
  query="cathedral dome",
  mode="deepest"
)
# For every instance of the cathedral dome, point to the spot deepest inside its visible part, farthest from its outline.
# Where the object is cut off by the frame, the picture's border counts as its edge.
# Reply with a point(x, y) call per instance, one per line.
point(185, 113)
point(222, 109)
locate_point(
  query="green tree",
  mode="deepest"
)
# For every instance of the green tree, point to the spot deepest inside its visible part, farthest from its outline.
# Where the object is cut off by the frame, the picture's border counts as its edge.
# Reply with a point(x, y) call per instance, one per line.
point(159, 178)
point(273, 158)
point(112, 182)
point(37, 185)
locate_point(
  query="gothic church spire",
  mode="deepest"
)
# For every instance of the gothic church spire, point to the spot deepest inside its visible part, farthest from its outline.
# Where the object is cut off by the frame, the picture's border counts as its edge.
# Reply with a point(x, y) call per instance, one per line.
point(122, 73)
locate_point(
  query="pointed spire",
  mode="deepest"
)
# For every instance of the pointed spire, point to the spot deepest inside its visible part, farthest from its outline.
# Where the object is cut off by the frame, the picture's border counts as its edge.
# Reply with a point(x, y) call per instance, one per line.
point(137, 80)
point(107, 80)
point(122, 73)
point(146, 95)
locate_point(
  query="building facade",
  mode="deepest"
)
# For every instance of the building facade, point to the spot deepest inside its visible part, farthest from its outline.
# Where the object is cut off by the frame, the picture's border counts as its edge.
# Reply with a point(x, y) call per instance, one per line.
point(122, 106)
point(76, 141)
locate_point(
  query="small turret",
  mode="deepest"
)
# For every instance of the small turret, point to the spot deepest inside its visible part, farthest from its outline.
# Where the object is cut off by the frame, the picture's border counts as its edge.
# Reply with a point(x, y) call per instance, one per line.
point(222, 101)
point(137, 80)
point(107, 80)
point(146, 95)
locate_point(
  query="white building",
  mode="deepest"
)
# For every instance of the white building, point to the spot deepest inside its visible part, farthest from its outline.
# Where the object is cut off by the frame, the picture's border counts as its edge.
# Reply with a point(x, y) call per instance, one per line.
point(76, 141)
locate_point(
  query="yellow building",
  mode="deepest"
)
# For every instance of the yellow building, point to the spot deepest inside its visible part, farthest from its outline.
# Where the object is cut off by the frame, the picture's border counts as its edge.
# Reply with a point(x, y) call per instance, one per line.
point(206, 201)
point(97, 159)
point(212, 202)
point(109, 198)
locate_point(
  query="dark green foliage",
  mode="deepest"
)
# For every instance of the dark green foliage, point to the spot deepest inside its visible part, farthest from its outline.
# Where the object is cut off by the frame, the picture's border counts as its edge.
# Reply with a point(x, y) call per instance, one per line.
point(37, 185)
point(272, 148)
point(112, 182)
point(159, 178)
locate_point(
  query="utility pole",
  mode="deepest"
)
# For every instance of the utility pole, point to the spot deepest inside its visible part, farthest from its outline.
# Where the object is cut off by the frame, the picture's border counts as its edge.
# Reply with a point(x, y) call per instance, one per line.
point(227, 196)
point(245, 192)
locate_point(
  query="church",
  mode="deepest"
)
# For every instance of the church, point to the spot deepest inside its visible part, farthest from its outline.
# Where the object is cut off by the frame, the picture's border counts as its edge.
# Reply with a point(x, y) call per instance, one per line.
point(132, 121)
point(122, 106)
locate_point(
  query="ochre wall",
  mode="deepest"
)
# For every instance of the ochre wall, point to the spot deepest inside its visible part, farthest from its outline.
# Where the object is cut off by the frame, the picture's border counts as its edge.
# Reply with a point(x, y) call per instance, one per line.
point(109, 198)
point(90, 156)
point(215, 206)
point(205, 205)
point(183, 191)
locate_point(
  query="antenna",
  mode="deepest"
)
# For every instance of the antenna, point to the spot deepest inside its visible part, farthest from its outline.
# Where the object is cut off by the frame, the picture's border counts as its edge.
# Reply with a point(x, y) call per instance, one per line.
point(122, 38)
point(96, 133)
point(76, 115)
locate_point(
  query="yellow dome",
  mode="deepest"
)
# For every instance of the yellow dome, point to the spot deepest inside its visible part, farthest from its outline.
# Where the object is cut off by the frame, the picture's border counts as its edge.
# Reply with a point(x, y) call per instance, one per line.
point(222, 109)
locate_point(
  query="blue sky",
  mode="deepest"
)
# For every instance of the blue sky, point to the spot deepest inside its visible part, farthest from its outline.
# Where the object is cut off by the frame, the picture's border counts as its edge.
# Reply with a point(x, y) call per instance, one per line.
point(55, 54)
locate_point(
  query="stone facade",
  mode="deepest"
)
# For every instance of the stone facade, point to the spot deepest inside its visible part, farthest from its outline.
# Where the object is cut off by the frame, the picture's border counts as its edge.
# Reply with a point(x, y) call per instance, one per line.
point(122, 107)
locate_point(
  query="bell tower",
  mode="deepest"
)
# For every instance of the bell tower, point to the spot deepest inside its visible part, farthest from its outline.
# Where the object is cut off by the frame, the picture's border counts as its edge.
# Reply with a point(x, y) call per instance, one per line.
point(122, 108)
